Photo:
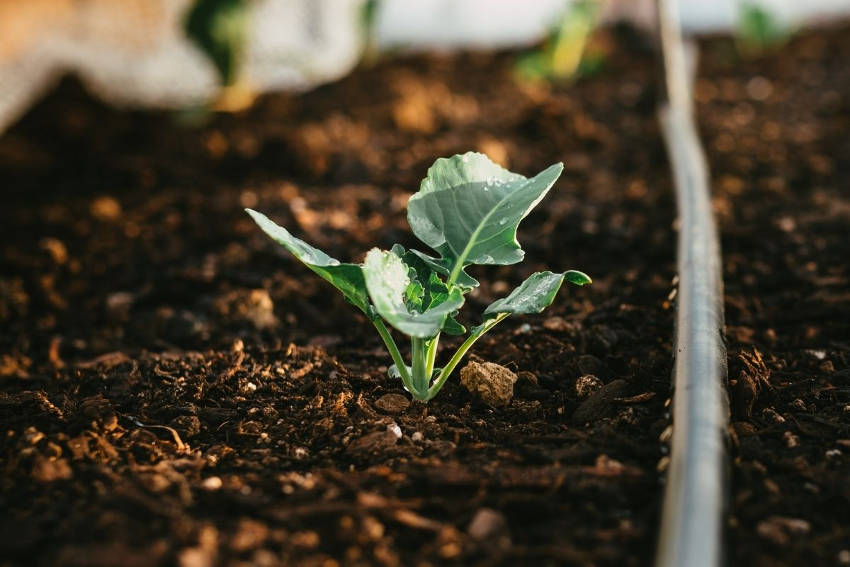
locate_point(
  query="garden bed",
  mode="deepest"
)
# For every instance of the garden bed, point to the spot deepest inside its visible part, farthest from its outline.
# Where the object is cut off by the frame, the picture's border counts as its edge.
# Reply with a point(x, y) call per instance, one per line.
point(775, 130)
point(175, 388)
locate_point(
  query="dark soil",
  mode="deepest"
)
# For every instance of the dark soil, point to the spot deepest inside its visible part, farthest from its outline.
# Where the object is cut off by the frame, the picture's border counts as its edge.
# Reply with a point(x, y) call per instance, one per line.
point(776, 132)
point(177, 390)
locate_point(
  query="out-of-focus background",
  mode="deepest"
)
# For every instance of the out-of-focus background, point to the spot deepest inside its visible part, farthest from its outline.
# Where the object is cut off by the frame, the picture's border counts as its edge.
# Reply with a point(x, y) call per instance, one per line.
point(176, 53)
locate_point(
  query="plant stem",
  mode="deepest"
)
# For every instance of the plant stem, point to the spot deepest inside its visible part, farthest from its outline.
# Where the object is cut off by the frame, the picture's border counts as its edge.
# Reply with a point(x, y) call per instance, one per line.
point(394, 353)
point(431, 356)
point(461, 351)
point(419, 364)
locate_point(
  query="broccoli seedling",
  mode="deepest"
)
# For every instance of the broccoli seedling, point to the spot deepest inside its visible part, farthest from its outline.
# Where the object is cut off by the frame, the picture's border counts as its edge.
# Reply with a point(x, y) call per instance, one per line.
point(467, 210)
point(564, 54)
point(759, 30)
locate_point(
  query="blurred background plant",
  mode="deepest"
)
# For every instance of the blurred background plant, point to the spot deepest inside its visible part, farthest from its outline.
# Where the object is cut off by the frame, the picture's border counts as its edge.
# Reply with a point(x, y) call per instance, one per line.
point(759, 29)
point(564, 54)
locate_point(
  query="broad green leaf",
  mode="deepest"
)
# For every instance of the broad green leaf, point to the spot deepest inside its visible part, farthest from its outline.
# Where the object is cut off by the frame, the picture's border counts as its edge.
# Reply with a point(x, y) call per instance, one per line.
point(534, 294)
point(444, 266)
point(347, 278)
point(468, 209)
point(452, 327)
point(387, 281)
point(435, 290)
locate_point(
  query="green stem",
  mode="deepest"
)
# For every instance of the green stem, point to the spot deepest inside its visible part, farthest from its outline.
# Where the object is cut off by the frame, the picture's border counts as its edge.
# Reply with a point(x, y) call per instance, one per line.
point(419, 364)
point(461, 351)
point(431, 356)
point(394, 353)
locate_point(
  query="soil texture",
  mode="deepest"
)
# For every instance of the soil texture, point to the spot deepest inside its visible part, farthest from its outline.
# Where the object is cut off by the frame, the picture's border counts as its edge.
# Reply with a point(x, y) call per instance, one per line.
point(177, 390)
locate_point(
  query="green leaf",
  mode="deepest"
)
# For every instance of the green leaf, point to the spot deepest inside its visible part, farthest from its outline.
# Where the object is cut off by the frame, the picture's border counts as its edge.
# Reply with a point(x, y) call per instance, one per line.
point(347, 278)
point(577, 278)
point(534, 294)
point(468, 210)
point(452, 327)
point(435, 290)
point(443, 266)
point(387, 281)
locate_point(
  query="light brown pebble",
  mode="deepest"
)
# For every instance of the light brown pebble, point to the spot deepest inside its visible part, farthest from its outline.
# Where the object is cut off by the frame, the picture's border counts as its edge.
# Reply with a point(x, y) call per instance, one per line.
point(488, 524)
point(392, 403)
point(491, 382)
point(586, 385)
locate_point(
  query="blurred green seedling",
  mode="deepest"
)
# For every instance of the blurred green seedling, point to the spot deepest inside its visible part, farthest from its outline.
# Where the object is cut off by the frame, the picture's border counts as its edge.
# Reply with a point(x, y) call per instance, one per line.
point(563, 55)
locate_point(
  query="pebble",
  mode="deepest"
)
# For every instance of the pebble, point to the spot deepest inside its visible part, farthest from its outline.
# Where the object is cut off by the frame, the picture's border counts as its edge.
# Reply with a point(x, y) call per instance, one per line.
point(488, 525)
point(373, 442)
point(600, 402)
point(392, 403)
point(587, 385)
point(212, 483)
point(394, 429)
point(491, 382)
point(790, 439)
point(772, 415)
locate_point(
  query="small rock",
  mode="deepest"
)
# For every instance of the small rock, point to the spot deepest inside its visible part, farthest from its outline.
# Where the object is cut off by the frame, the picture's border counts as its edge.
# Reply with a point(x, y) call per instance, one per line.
point(394, 429)
point(105, 208)
point(100, 409)
point(587, 385)
point(120, 304)
point(558, 324)
point(307, 539)
point(600, 402)
point(779, 529)
point(212, 483)
point(392, 403)
point(489, 526)
point(253, 306)
point(195, 557)
point(32, 435)
point(249, 535)
point(790, 439)
point(772, 415)
point(57, 250)
point(373, 442)
point(491, 382)
point(49, 470)
point(417, 436)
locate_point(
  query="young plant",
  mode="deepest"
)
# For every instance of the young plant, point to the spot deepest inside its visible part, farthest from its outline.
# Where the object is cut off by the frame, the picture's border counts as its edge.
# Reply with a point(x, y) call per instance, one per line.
point(467, 211)
point(759, 30)
point(564, 54)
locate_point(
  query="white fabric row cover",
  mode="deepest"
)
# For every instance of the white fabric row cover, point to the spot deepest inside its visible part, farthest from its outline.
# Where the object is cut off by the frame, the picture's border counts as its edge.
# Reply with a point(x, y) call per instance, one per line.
point(135, 52)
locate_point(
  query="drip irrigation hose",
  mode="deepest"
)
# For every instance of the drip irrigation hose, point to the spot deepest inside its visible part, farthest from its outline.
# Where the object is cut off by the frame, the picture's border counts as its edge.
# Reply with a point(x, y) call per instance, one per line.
point(691, 533)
